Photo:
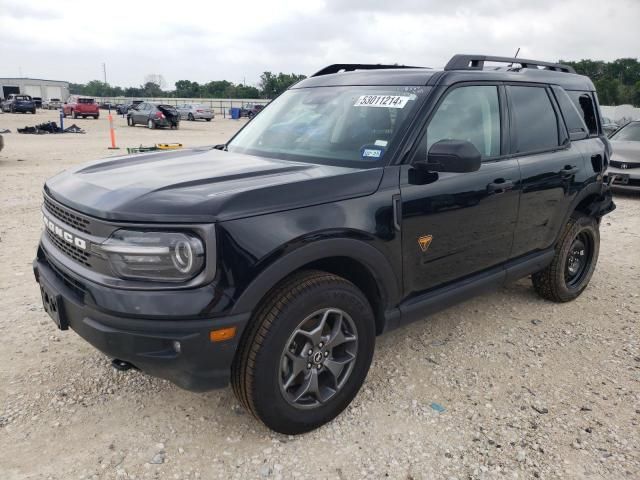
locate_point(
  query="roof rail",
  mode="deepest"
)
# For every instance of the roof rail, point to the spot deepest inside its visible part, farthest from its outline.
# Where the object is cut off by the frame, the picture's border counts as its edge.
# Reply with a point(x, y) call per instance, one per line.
point(476, 62)
point(350, 67)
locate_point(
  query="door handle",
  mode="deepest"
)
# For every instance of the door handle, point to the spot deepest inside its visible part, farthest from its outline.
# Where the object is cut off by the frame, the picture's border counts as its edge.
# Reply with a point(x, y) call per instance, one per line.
point(499, 185)
point(568, 171)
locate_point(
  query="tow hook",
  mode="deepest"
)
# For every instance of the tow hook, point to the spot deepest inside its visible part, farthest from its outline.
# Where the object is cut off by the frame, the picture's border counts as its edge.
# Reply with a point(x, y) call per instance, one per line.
point(121, 365)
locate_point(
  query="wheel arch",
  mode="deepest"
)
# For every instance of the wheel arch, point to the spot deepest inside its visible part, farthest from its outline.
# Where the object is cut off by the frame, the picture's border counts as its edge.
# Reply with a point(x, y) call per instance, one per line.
point(357, 261)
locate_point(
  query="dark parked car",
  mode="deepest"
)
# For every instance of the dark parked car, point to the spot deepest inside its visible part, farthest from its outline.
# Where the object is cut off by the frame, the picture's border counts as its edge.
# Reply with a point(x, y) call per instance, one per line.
point(37, 101)
point(251, 109)
point(625, 160)
point(153, 115)
point(362, 198)
point(17, 103)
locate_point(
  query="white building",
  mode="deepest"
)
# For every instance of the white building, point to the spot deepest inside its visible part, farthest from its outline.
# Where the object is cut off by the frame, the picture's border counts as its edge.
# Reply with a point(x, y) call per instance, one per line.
point(45, 89)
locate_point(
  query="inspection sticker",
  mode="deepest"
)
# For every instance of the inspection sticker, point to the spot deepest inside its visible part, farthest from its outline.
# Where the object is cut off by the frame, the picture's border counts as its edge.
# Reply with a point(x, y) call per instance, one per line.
point(386, 101)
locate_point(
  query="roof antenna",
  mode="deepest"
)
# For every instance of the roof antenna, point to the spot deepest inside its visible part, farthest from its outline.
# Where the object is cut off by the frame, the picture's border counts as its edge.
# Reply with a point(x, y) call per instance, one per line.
point(515, 56)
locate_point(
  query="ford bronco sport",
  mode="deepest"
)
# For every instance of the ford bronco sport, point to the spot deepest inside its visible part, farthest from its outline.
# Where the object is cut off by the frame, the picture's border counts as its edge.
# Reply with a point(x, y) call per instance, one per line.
point(363, 198)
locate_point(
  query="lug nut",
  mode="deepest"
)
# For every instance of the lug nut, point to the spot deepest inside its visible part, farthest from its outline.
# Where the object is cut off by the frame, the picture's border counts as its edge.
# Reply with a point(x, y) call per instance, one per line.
point(321, 345)
point(309, 352)
point(318, 366)
point(326, 354)
point(308, 365)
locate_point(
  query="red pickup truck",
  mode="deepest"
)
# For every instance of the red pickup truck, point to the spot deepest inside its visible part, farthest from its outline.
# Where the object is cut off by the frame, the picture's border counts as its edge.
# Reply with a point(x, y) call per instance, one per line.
point(81, 107)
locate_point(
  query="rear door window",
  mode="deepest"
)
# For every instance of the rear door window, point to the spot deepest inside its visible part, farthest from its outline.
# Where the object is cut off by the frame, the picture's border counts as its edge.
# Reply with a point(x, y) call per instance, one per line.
point(535, 124)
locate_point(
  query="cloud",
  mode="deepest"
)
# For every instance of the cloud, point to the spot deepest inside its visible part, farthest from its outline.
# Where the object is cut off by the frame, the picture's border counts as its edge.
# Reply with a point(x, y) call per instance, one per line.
point(204, 41)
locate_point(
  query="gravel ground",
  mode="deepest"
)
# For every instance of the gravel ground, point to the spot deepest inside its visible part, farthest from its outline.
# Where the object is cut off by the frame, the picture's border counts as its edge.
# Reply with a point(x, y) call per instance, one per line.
point(503, 386)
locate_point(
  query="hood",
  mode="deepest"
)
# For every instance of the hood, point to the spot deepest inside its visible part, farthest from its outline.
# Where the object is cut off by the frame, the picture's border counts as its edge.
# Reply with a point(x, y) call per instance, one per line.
point(625, 151)
point(203, 185)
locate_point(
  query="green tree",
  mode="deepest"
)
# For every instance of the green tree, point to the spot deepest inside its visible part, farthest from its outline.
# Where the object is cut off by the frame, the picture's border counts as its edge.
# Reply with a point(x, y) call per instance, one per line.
point(272, 85)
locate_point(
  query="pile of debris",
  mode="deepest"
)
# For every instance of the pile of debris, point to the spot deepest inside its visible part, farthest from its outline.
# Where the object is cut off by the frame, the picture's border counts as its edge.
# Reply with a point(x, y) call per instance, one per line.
point(50, 127)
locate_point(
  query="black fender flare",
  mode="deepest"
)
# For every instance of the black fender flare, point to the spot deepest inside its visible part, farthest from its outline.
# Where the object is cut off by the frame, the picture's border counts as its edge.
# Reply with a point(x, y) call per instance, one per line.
point(367, 255)
point(602, 198)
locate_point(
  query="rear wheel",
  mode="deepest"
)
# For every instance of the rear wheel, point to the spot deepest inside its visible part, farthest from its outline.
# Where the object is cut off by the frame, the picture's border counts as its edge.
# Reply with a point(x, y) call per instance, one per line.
point(574, 262)
point(151, 125)
point(190, 117)
point(306, 353)
point(74, 114)
point(208, 119)
point(130, 122)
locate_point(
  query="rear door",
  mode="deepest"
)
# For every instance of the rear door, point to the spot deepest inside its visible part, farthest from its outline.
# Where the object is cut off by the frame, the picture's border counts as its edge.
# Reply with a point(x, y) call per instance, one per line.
point(552, 166)
point(458, 224)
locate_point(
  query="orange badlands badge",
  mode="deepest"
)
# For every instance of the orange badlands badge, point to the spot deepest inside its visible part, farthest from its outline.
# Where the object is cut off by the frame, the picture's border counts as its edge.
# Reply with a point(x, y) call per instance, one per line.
point(424, 241)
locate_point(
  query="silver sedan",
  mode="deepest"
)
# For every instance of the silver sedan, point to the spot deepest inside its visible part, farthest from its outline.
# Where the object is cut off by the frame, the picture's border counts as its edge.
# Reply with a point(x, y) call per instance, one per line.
point(625, 159)
point(194, 111)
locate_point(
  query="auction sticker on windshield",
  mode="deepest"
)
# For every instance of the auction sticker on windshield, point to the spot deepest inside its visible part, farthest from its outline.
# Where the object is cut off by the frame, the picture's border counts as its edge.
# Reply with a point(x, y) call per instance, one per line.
point(386, 101)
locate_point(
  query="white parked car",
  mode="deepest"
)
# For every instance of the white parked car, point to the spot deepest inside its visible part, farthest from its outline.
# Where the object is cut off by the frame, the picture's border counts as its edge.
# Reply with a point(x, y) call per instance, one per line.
point(195, 111)
point(52, 104)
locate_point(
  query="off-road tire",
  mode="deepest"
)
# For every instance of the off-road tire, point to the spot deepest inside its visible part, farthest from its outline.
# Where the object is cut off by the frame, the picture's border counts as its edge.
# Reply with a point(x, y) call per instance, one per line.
point(255, 373)
point(550, 282)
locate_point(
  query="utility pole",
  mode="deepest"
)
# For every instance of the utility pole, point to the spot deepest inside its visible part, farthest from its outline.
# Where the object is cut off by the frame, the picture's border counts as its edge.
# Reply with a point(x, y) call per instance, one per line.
point(104, 71)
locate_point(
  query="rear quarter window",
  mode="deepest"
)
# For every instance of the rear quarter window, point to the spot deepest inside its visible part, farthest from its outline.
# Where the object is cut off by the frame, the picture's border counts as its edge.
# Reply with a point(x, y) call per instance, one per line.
point(572, 117)
point(585, 105)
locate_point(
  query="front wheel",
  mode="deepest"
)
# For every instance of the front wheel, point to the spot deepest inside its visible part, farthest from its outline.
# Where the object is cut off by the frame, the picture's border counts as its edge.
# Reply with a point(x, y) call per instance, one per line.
point(151, 125)
point(74, 114)
point(574, 261)
point(130, 122)
point(191, 117)
point(306, 353)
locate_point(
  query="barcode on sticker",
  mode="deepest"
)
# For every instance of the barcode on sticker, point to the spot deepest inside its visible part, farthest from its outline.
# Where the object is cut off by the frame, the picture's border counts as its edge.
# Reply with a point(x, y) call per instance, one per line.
point(368, 152)
point(386, 101)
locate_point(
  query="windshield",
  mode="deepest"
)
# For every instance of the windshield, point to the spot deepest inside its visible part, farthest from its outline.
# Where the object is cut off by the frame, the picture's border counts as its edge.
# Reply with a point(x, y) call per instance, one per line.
point(85, 100)
point(350, 126)
point(629, 133)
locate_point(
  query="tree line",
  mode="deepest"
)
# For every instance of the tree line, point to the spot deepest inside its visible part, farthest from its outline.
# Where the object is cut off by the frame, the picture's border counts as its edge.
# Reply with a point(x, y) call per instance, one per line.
point(270, 86)
point(616, 82)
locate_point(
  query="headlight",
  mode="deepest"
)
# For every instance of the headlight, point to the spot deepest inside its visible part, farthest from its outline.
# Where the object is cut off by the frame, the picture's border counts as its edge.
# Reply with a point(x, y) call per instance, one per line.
point(157, 256)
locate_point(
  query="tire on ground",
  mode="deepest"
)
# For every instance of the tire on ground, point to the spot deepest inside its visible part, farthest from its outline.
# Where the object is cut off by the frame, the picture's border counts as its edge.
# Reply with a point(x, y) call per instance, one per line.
point(550, 283)
point(255, 374)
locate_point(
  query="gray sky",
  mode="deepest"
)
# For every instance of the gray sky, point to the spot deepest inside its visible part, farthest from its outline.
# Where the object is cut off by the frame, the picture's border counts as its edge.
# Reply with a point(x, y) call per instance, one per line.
point(234, 40)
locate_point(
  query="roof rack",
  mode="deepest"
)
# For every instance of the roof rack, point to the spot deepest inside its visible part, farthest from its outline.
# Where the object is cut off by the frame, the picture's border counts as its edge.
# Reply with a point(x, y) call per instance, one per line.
point(476, 62)
point(350, 67)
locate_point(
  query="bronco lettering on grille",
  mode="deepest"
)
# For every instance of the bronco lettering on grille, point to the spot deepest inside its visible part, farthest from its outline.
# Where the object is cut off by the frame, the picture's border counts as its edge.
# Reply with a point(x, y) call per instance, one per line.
point(63, 234)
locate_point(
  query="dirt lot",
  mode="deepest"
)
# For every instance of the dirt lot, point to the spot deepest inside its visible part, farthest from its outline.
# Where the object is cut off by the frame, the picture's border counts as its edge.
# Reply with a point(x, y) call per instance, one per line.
point(530, 389)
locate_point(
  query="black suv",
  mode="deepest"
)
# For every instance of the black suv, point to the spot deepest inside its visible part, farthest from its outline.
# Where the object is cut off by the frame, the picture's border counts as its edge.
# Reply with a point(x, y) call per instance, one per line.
point(363, 198)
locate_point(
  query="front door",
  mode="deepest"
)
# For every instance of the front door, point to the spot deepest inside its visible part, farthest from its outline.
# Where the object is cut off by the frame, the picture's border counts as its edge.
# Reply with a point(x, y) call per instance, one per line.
point(458, 224)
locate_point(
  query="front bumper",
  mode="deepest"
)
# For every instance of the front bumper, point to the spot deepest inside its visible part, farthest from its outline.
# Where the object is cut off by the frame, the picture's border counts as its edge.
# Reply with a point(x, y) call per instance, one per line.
point(147, 342)
point(626, 178)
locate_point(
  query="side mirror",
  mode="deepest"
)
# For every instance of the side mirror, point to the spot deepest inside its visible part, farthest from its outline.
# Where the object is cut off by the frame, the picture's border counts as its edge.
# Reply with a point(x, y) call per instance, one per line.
point(455, 156)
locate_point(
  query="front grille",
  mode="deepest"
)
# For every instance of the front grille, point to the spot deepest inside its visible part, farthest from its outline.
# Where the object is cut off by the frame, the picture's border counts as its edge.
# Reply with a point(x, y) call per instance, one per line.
point(72, 251)
point(628, 166)
point(70, 282)
point(79, 223)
